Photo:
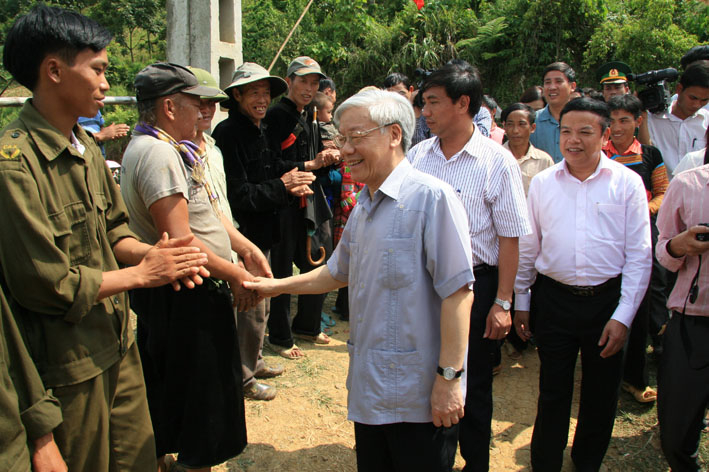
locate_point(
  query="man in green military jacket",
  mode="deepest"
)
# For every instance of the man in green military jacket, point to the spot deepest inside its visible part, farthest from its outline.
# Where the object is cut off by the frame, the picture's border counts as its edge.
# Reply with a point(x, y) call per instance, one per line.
point(64, 232)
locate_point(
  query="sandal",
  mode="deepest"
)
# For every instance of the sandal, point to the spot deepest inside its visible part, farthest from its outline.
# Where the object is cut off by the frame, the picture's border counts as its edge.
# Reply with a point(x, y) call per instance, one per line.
point(327, 320)
point(321, 338)
point(291, 353)
point(648, 395)
point(325, 328)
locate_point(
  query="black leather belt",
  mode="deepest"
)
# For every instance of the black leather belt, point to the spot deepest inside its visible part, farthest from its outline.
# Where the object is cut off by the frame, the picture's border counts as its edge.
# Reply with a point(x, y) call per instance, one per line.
point(482, 269)
point(587, 290)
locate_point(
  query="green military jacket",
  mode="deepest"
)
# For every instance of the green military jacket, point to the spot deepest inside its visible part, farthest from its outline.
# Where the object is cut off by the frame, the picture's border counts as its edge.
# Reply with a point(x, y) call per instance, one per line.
point(61, 215)
point(27, 410)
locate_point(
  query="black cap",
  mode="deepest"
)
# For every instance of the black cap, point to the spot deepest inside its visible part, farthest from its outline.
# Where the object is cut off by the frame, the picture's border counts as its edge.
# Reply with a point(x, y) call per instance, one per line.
point(164, 78)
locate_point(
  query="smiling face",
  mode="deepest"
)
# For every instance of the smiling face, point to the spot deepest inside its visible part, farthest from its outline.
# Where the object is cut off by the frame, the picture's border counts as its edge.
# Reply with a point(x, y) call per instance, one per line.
point(302, 88)
point(207, 108)
point(557, 88)
point(253, 99)
point(517, 128)
point(623, 125)
point(581, 140)
point(83, 85)
point(371, 158)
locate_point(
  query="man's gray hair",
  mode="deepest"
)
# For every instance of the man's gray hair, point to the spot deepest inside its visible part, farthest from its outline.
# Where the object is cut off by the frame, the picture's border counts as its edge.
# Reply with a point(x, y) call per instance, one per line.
point(147, 111)
point(384, 108)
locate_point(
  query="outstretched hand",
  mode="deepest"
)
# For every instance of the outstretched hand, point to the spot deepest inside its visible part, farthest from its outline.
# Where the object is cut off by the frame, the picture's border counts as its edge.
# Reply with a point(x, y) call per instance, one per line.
point(264, 286)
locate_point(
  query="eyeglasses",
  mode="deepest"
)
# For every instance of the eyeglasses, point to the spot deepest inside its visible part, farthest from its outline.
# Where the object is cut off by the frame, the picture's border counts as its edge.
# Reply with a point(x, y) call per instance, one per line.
point(356, 136)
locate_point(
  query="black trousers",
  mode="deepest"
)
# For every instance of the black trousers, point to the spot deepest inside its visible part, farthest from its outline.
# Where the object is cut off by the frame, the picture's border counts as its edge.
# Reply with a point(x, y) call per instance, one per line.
point(405, 447)
point(565, 324)
point(475, 427)
point(683, 389)
point(635, 370)
point(290, 250)
point(661, 283)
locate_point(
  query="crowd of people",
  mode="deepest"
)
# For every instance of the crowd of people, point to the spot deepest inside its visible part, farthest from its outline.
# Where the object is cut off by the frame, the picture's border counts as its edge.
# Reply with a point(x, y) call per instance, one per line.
point(576, 224)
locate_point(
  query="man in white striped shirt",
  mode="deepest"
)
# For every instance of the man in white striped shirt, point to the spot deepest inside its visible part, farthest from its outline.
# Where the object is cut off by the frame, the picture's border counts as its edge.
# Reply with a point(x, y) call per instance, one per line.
point(488, 181)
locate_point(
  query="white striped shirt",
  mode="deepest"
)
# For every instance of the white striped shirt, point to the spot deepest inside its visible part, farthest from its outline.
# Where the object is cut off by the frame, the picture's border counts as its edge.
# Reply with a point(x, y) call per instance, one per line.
point(487, 179)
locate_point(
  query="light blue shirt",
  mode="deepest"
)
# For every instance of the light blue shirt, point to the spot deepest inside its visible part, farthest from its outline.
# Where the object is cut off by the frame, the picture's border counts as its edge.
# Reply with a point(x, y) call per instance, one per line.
point(402, 252)
point(546, 136)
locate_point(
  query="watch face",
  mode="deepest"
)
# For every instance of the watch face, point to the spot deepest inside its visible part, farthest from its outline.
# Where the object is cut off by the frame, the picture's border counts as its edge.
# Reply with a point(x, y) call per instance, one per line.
point(449, 373)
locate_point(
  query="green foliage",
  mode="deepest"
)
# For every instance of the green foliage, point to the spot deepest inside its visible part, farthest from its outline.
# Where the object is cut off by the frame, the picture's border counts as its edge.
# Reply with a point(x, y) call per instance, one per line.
point(641, 34)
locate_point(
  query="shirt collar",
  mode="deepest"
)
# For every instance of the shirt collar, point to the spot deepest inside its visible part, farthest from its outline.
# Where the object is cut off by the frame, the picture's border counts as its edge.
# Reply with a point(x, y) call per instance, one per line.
point(529, 155)
point(604, 165)
point(468, 148)
point(611, 150)
point(391, 186)
point(545, 115)
point(50, 142)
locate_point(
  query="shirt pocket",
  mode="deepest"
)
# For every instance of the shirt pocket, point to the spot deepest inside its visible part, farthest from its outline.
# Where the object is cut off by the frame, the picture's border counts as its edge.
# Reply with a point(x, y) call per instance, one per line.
point(610, 222)
point(397, 263)
point(71, 232)
point(396, 380)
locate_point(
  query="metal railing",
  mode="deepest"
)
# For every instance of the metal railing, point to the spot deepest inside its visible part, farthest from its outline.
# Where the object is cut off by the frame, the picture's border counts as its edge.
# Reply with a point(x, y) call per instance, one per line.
point(19, 101)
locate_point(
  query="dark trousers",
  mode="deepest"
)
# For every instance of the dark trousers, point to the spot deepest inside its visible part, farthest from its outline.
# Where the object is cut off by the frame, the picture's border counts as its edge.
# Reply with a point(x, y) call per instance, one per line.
point(565, 324)
point(405, 447)
point(683, 389)
point(661, 284)
point(475, 425)
point(635, 371)
point(291, 249)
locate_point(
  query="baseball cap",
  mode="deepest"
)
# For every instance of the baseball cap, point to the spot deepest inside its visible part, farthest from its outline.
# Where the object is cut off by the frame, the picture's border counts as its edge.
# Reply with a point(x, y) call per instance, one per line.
point(205, 79)
point(165, 78)
point(304, 65)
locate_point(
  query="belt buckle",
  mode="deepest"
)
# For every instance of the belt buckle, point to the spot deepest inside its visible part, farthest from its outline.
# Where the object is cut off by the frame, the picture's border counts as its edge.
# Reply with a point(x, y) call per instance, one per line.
point(583, 291)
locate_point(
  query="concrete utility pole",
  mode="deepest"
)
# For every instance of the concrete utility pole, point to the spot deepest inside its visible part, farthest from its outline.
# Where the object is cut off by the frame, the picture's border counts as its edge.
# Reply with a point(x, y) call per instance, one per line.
point(206, 34)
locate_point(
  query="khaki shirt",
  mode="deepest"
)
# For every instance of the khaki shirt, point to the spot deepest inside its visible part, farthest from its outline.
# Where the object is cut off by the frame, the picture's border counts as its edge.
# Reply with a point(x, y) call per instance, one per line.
point(532, 163)
point(62, 214)
point(27, 410)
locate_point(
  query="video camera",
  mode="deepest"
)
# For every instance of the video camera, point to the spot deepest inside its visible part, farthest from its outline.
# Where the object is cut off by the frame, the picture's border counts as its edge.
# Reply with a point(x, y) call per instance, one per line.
point(420, 75)
point(656, 96)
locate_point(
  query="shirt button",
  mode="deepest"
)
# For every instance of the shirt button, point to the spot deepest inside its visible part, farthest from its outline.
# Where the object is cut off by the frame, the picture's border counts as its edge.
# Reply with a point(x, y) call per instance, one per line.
point(391, 250)
point(392, 365)
point(361, 285)
point(369, 220)
point(116, 300)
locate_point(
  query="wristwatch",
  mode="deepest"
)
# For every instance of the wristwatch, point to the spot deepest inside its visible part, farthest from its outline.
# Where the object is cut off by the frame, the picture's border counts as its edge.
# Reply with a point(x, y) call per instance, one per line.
point(449, 373)
point(504, 304)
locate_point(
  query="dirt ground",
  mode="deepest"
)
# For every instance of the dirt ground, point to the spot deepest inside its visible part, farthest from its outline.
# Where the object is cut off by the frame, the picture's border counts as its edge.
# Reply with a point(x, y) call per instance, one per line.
point(306, 428)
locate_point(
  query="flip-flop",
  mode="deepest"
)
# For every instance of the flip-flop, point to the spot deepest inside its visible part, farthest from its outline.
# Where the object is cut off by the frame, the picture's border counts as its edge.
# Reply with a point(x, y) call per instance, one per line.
point(325, 328)
point(292, 353)
point(321, 338)
point(648, 395)
point(327, 319)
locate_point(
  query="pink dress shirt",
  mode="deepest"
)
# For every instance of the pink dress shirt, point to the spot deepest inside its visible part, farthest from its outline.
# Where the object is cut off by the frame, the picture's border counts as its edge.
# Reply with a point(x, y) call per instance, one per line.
point(686, 204)
point(584, 233)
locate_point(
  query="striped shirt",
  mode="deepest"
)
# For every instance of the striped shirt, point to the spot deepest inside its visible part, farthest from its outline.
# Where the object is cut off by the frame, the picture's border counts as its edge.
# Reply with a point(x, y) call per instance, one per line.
point(488, 180)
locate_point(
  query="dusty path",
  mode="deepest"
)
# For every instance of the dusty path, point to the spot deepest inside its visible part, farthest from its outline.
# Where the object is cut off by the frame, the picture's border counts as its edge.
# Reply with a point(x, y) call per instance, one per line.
point(306, 429)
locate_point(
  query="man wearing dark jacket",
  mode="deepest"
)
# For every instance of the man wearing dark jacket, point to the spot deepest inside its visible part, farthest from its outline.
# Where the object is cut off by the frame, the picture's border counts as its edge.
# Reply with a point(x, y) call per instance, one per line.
point(259, 185)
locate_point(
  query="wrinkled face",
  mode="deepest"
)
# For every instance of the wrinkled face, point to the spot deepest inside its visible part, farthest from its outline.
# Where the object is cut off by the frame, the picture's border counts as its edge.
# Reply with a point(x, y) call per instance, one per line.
point(690, 100)
point(82, 85)
point(401, 89)
point(253, 99)
point(187, 115)
point(580, 138)
point(517, 127)
point(302, 89)
point(611, 90)
point(439, 110)
point(325, 113)
point(623, 125)
point(207, 107)
point(368, 157)
point(557, 88)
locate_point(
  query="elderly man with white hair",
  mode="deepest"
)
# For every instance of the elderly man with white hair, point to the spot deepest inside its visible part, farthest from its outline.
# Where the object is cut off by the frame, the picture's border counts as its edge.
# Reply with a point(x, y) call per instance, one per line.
point(405, 254)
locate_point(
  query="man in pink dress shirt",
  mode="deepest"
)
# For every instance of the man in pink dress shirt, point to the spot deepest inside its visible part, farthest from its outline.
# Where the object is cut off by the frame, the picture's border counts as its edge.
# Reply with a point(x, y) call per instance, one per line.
point(683, 376)
point(587, 263)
